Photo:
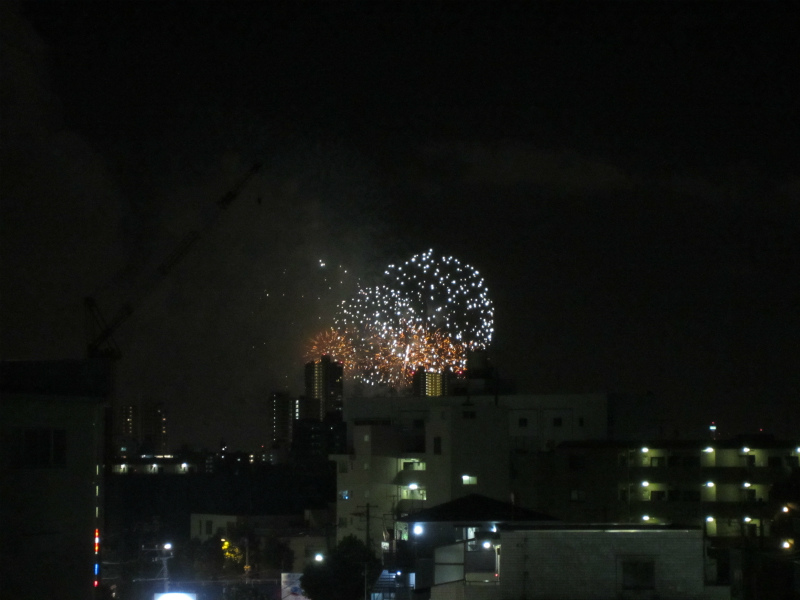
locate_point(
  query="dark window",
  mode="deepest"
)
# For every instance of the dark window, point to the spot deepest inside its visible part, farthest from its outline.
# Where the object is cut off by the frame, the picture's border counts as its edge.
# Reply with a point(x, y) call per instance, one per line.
point(657, 461)
point(419, 423)
point(623, 494)
point(791, 461)
point(674, 461)
point(749, 495)
point(638, 575)
point(557, 422)
point(577, 461)
point(750, 460)
point(658, 495)
point(523, 422)
point(775, 461)
point(577, 496)
point(209, 526)
point(437, 445)
point(691, 495)
point(468, 414)
point(580, 421)
point(691, 461)
point(39, 447)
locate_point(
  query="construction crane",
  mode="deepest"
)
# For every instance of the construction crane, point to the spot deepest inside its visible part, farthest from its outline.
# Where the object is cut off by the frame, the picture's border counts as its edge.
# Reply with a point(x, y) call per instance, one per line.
point(101, 341)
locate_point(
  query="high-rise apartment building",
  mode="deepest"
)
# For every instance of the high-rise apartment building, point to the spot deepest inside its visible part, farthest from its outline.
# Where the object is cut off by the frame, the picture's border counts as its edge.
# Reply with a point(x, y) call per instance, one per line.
point(284, 411)
point(324, 381)
point(429, 383)
point(141, 429)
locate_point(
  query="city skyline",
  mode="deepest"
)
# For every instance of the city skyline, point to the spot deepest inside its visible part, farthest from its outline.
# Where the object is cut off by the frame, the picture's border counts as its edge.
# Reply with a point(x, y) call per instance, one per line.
point(622, 176)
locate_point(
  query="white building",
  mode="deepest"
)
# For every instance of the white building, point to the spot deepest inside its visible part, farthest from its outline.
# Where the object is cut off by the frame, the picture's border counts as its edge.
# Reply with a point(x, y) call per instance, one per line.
point(586, 562)
point(409, 453)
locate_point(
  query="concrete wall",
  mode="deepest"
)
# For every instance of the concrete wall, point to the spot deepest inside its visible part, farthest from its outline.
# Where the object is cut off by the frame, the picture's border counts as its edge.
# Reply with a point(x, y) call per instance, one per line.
point(587, 564)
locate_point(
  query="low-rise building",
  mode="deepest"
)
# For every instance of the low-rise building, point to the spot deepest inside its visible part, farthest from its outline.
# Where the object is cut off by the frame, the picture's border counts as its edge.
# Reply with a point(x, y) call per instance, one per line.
point(722, 486)
point(405, 454)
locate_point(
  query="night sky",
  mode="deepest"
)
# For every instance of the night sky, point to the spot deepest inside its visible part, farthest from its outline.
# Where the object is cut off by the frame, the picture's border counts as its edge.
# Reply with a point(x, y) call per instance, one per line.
point(624, 175)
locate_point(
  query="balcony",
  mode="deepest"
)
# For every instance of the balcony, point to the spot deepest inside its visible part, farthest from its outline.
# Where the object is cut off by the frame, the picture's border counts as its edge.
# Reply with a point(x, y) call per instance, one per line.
point(408, 476)
point(407, 506)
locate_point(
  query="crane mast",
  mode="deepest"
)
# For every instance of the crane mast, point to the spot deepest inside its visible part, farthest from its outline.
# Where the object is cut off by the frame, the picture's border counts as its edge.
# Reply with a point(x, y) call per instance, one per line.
point(102, 342)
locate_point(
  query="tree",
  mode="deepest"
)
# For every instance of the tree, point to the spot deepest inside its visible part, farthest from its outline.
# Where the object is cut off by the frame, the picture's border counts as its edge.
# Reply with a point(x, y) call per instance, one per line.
point(340, 576)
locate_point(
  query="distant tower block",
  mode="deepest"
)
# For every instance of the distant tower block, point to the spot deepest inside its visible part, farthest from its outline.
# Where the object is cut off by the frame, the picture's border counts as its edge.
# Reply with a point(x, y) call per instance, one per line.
point(325, 384)
point(427, 383)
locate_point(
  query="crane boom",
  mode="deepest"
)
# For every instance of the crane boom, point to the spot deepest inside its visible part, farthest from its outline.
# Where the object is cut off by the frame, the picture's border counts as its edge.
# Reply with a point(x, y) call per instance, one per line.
point(102, 343)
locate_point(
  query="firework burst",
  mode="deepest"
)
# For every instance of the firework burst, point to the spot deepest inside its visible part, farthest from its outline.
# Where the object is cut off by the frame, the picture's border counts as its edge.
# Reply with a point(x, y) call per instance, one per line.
point(336, 345)
point(428, 312)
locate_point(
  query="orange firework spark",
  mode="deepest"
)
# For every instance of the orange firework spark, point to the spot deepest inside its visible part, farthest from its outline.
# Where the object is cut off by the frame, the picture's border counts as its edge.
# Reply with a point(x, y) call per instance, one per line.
point(335, 345)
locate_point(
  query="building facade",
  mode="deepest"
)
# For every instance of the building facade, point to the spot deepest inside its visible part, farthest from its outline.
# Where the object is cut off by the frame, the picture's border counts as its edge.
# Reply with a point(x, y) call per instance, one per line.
point(324, 383)
point(405, 454)
point(723, 486)
point(52, 429)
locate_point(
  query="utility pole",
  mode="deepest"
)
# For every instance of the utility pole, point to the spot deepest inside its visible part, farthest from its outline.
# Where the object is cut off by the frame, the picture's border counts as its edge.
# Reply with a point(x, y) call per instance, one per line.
point(367, 543)
point(366, 535)
point(365, 514)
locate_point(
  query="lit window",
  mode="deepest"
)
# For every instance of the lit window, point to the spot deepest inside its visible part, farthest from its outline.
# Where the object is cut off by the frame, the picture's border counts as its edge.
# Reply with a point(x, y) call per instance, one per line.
point(344, 495)
point(469, 480)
